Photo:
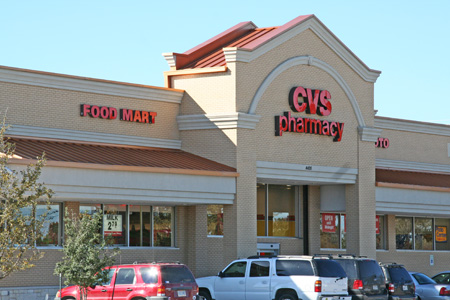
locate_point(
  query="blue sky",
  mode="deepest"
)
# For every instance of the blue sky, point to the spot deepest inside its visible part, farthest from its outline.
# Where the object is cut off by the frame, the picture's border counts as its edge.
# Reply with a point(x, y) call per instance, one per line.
point(408, 41)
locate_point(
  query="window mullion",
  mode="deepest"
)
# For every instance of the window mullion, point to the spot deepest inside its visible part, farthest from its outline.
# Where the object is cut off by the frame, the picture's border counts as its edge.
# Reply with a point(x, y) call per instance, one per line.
point(267, 210)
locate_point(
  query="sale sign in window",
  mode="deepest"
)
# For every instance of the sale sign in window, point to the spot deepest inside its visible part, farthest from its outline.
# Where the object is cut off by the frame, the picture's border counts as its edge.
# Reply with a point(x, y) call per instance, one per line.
point(112, 225)
point(329, 223)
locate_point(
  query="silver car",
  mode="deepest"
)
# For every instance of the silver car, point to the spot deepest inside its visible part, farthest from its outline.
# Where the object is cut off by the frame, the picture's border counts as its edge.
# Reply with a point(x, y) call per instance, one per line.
point(428, 289)
point(442, 277)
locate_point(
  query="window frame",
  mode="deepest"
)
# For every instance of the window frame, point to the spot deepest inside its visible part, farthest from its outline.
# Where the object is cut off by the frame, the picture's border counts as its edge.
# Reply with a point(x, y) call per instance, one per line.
point(414, 233)
point(339, 217)
point(127, 223)
point(383, 234)
point(297, 210)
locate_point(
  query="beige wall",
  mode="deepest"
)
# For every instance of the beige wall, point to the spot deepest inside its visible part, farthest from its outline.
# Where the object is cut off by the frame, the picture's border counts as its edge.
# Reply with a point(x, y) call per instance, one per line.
point(416, 147)
point(58, 108)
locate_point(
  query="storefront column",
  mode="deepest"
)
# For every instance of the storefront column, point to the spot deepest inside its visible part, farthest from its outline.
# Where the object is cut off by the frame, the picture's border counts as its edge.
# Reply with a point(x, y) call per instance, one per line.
point(360, 205)
point(314, 218)
point(391, 244)
point(240, 218)
point(197, 247)
point(72, 207)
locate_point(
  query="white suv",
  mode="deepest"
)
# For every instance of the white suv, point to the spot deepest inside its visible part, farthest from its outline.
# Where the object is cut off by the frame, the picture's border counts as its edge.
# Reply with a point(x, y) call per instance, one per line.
point(279, 278)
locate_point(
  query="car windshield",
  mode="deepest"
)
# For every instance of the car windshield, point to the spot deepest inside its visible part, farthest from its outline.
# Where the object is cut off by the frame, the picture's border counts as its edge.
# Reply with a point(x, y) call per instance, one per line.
point(176, 274)
point(423, 279)
point(399, 274)
point(329, 268)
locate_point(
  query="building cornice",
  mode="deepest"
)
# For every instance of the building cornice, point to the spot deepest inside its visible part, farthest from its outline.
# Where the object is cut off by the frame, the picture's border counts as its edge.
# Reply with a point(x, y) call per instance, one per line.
point(218, 121)
point(270, 172)
point(413, 187)
point(412, 126)
point(369, 134)
point(89, 85)
point(246, 55)
point(411, 166)
point(87, 136)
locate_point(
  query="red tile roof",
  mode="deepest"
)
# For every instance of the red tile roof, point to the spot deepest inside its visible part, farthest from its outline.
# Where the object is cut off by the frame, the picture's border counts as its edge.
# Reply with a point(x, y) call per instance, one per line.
point(413, 178)
point(244, 35)
point(60, 151)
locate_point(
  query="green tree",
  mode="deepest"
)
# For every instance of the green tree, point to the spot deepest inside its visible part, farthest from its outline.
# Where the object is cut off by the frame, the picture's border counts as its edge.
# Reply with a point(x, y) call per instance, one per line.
point(86, 252)
point(20, 227)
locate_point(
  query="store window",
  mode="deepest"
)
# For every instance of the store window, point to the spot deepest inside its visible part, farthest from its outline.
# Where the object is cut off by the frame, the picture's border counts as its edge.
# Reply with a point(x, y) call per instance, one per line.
point(419, 233)
point(423, 233)
point(404, 233)
point(133, 225)
point(380, 232)
point(140, 226)
point(276, 210)
point(441, 234)
point(332, 231)
point(215, 219)
point(115, 223)
point(52, 225)
point(416, 233)
point(162, 226)
point(90, 209)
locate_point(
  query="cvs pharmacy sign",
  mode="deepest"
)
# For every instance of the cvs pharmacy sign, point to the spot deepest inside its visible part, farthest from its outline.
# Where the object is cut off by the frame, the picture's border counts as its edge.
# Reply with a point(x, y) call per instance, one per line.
point(311, 102)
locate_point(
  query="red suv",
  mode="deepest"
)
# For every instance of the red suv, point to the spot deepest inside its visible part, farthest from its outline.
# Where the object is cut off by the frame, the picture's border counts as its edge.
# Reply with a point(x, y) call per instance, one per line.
point(149, 281)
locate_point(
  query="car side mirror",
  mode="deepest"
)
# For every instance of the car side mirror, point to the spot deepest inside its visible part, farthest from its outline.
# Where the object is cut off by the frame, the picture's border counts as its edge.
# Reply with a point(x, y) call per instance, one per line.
point(221, 275)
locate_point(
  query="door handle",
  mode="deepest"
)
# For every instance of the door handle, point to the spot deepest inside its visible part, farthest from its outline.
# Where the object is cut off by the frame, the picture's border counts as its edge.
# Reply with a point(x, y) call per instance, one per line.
point(103, 290)
point(264, 282)
point(129, 290)
point(241, 282)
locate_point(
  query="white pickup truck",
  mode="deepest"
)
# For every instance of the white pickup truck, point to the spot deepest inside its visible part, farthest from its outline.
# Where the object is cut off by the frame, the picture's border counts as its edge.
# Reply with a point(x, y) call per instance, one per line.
point(278, 278)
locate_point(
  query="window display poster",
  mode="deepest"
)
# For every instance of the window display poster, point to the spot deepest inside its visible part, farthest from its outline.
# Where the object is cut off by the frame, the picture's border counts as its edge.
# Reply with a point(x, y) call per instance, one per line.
point(112, 225)
point(377, 224)
point(441, 234)
point(329, 223)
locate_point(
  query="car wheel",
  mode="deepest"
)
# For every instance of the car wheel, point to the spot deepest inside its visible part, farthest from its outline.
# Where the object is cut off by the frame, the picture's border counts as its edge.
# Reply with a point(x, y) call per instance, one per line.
point(287, 296)
point(205, 294)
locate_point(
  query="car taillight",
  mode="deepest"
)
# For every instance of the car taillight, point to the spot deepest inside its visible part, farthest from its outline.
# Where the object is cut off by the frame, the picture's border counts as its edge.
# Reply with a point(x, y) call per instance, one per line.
point(444, 292)
point(57, 294)
point(318, 286)
point(391, 288)
point(196, 290)
point(161, 291)
point(357, 284)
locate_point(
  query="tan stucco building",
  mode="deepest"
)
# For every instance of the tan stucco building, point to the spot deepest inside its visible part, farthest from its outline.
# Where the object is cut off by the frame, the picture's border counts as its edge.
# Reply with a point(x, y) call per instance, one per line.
point(265, 140)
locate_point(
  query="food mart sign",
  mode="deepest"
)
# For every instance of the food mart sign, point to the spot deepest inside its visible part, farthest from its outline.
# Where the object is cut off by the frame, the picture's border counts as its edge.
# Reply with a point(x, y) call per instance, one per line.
point(106, 112)
point(311, 102)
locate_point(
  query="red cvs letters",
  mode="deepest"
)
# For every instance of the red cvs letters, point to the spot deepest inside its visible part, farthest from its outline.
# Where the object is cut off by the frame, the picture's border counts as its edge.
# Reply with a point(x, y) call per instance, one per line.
point(313, 102)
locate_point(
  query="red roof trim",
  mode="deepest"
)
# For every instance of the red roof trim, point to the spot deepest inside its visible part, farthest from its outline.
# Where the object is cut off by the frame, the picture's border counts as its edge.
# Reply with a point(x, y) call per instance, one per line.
point(258, 42)
point(204, 48)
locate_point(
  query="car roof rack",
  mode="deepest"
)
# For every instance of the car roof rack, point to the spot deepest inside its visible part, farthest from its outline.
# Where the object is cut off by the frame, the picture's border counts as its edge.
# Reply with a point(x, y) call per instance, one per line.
point(350, 256)
point(261, 256)
point(155, 262)
point(322, 256)
point(390, 263)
